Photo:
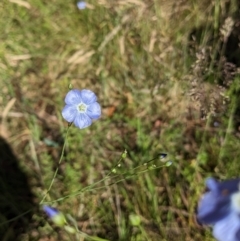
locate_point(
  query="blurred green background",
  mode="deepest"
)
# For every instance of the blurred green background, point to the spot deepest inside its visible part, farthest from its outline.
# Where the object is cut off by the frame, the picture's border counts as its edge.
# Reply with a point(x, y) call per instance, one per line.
point(166, 74)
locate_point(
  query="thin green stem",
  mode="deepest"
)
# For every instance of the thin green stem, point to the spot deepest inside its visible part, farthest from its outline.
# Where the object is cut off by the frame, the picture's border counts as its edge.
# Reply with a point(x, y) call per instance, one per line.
point(59, 162)
point(228, 132)
point(203, 141)
point(91, 187)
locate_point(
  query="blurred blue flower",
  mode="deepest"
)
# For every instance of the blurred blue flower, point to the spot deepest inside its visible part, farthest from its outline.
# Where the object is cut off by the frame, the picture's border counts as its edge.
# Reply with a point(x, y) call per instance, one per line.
point(220, 207)
point(56, 216)
point(81, 5)
point(81, 108)
point(215, 203)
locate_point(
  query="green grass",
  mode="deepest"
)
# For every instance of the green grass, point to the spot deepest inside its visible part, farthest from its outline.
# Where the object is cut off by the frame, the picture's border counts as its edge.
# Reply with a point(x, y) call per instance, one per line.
point(160, 77)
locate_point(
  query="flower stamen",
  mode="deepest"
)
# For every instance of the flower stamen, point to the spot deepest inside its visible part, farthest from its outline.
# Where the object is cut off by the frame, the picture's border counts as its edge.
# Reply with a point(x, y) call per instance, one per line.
point(82, 107)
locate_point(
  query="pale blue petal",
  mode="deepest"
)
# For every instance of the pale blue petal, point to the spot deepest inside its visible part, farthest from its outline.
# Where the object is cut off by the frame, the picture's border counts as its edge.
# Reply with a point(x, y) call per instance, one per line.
point(69, 113)
point(213, 185)
point(82, 121)
point(73, 97)
point(228, 229)
point(213, 208)
point(88, 97)
point(94, 111)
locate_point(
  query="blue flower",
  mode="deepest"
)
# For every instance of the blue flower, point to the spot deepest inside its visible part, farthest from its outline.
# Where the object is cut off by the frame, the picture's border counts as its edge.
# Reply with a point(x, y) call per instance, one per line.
point(215, 204)
point(81, 5)
point(56, 216)
point(81, 108)
point(220, 207)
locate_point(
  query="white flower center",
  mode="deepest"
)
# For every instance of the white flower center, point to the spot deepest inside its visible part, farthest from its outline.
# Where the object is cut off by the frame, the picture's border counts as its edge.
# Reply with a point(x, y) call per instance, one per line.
point(235, 202)
point(82, 107)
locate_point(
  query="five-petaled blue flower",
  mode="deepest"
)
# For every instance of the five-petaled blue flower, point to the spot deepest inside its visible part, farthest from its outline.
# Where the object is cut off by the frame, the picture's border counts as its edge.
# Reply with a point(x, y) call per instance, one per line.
point(81, 108)
point(220, 207)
